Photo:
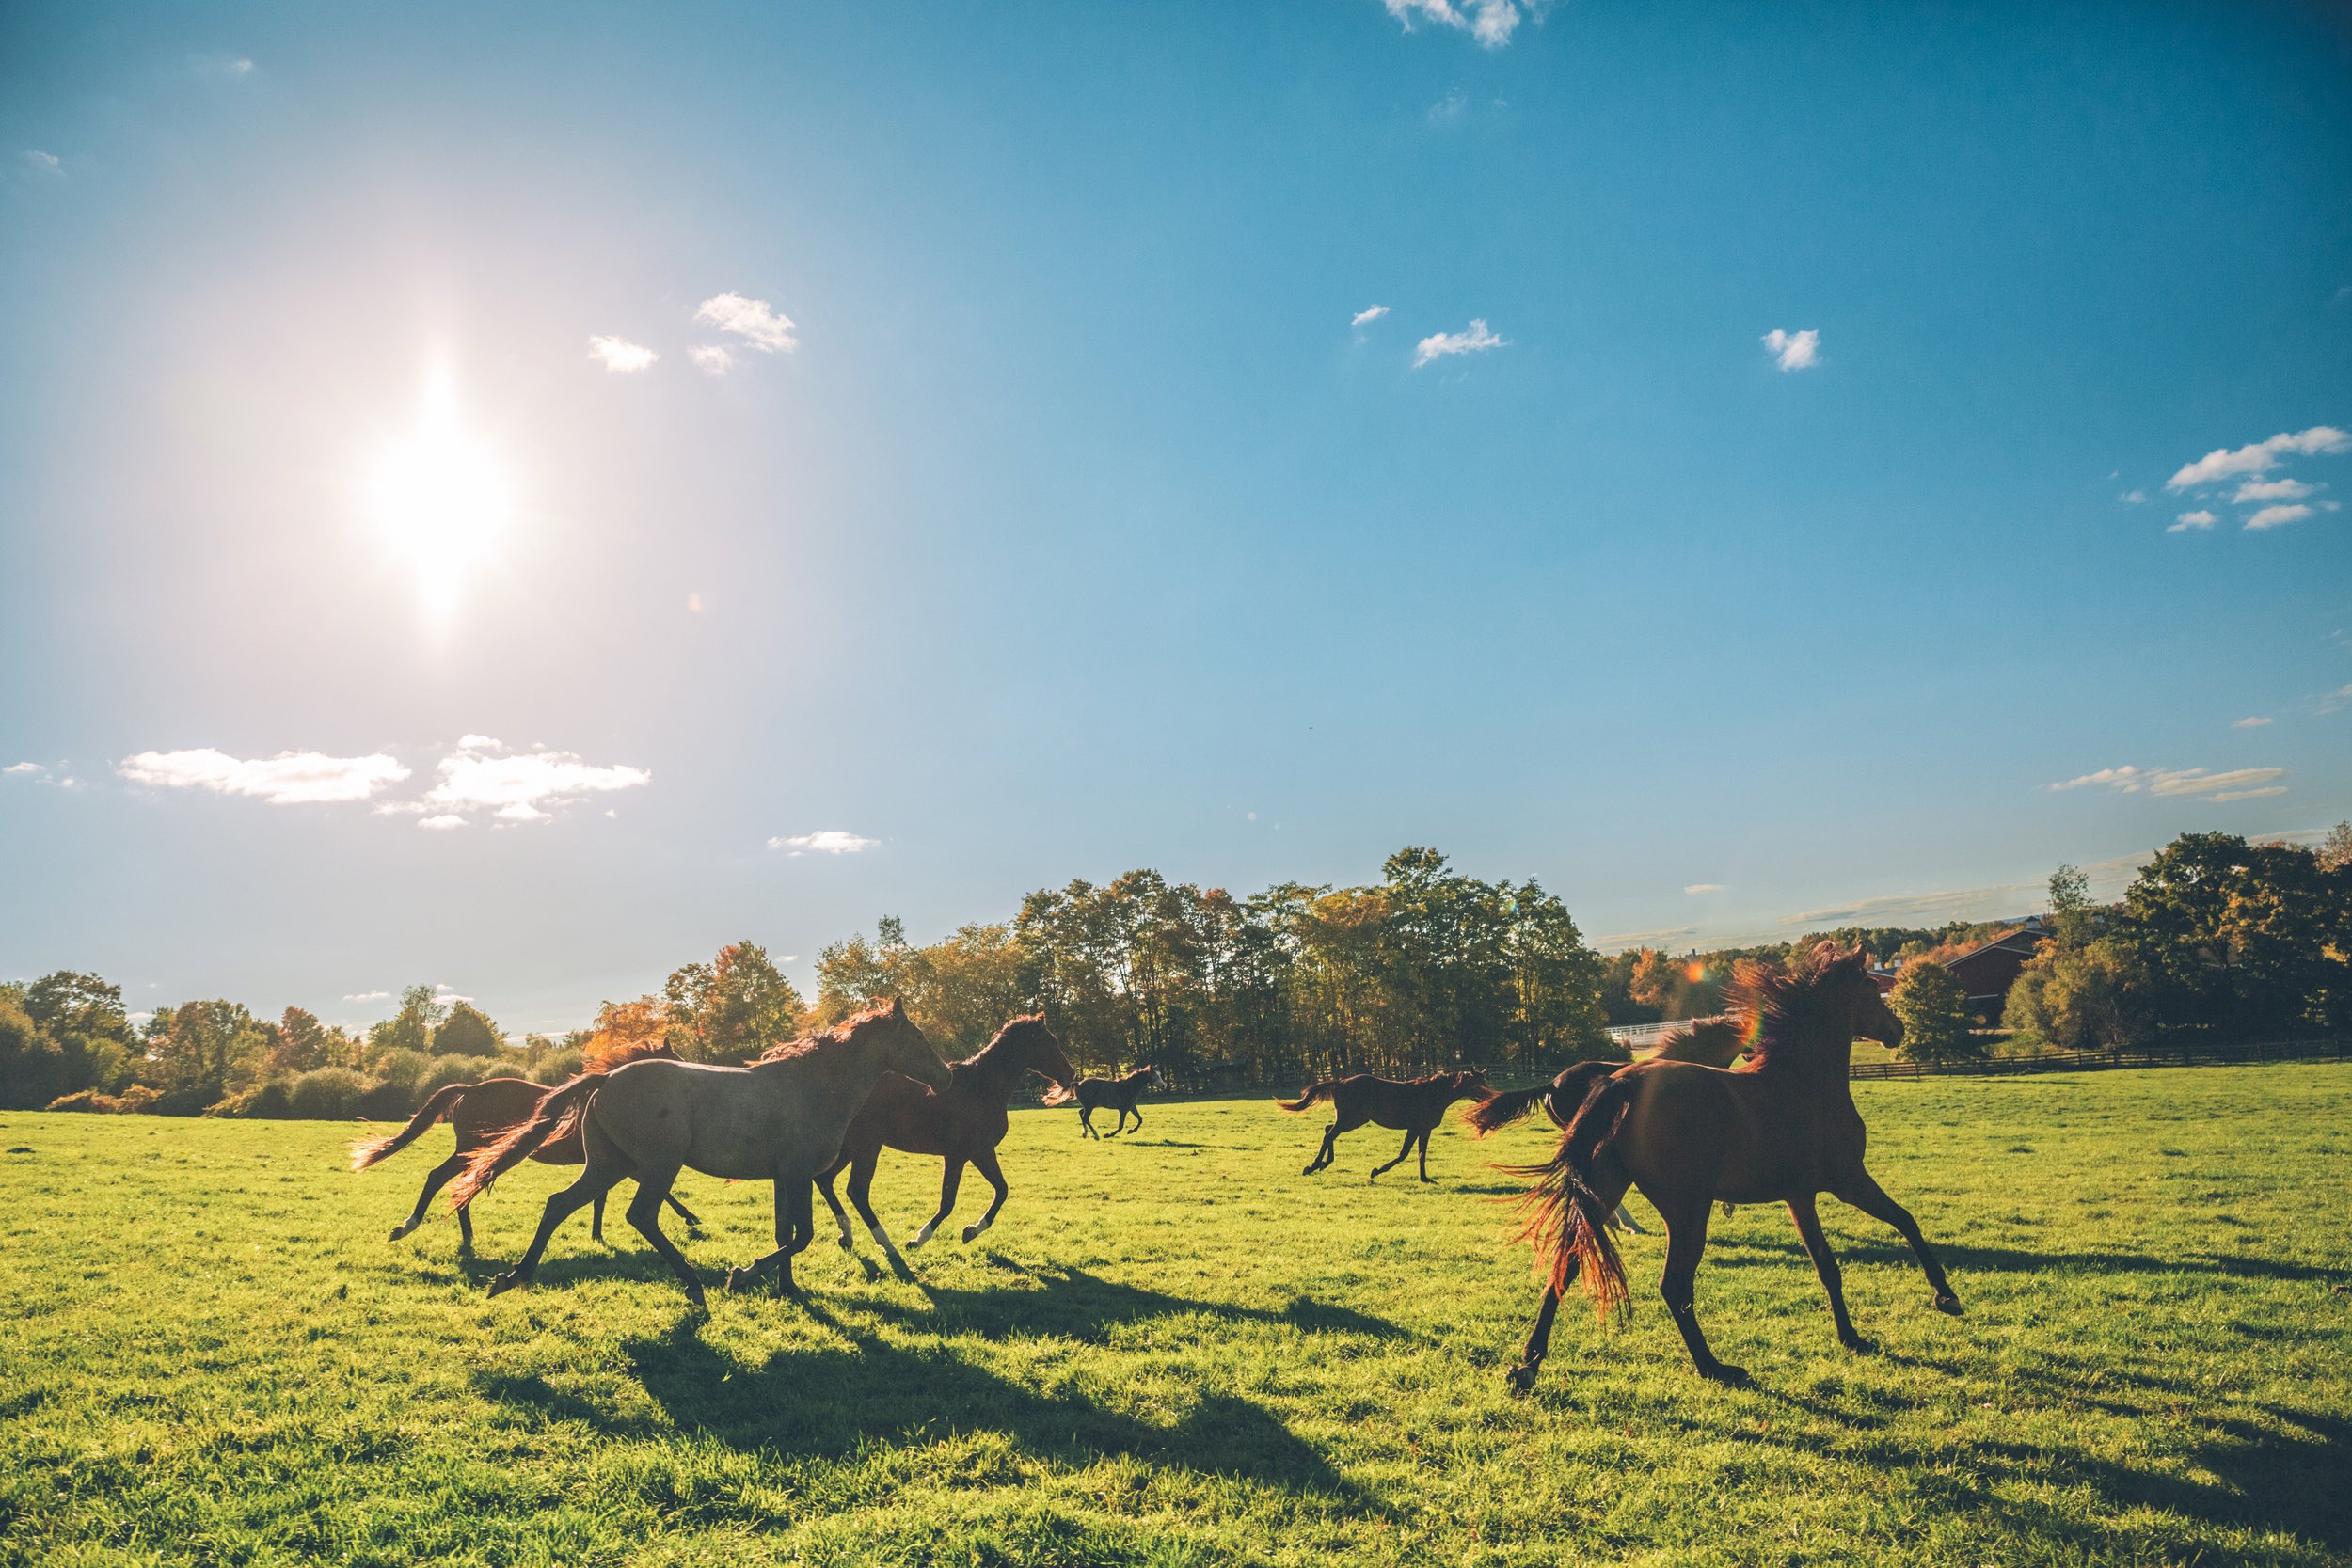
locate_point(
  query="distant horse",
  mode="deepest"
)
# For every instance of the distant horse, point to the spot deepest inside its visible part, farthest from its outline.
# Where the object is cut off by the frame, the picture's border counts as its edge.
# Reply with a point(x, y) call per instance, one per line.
point(1416, 1107)
point(779, 1119)
point(481, 1114)
point(962, 1124)
point(1103, 1094)
point(1710, 1042)
point(1780, 1128)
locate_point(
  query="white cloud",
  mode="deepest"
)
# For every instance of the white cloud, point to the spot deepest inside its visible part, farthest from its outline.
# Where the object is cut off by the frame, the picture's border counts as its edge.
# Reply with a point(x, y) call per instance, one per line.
point(768, 331)
point(21, 767)
point(2134, 497)
point(1438, 344)
point(620, 355)
point(45, 162)
point(2272, 490)
point(1794, 351)
point(370, 996)
point(2255, 722)
point(2277, 516)
point(1367, 316)
point(440, 824)
point(1643, 939)
point(1951, 904)
point(2235, 784)
point(825, 841)
point(290, 778)
point(1703, 887)
point(1446, 108)
point(712, 358)
point(519, 786)
point(2258, 458)
point(2199, 518)
point(1490, 22)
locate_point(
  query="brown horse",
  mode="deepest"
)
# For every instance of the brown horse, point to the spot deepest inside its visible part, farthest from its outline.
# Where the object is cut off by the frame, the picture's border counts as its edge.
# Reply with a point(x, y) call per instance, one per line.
point(481, 1114)
point(1782, 1128)
point(962, 1125)
point(1103, 1094)
point(779, 1119)
point(1417, 1107)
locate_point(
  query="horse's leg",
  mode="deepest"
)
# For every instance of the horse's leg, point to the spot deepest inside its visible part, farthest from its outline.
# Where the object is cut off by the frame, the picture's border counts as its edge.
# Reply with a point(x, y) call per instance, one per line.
point(644, 1216)
point(1398, 1161)
point(840, 1215)
point(465, 1228)
point(985, 1163)
point(1866, 1194)
point(1624, 1216)
point(1424, 1152)
point(1086, 1120)
point(861, 1189)
point(1323, 1155)
point(434, 1181)
point(795, 1225)
point(1123, 1123)
point(1686, 1240)
point(595, 1220)
point(949, 1182)
point(1521, 1378)
point(594, 1178)
point(1808, 1218)
point(1136, 1112)
point(694, 1221)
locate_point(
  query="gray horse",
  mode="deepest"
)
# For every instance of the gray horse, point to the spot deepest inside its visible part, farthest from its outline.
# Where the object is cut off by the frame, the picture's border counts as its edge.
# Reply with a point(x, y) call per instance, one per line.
point(779, 1119)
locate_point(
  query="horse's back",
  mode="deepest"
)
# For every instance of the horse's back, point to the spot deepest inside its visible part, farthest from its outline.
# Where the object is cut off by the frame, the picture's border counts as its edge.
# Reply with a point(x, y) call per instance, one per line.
point(1750, 1138)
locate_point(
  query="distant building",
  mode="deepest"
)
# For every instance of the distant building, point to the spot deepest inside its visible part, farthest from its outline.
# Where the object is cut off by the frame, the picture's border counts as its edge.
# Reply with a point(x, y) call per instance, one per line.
point(1986, 971)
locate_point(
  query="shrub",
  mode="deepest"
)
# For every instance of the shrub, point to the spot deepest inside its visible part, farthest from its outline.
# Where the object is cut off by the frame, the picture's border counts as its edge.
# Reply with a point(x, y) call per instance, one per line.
point(457, 1069)
point(266, 1100)
point(557, 1066)
point(326, 1094)
point(2091, 998)
point(86, 1100)
point(1934, 1013)
point(401, 1067)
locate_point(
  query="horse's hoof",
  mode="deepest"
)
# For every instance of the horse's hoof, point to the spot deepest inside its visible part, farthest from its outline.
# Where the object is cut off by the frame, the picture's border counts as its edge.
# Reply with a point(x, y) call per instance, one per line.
point(1947, 1304)
point(737, 1279)
point(1860, 1346)
point(1723, 1372)
point(503, 1284)
point(398, 1231)
point(847, 1245)
point(1520, 1379)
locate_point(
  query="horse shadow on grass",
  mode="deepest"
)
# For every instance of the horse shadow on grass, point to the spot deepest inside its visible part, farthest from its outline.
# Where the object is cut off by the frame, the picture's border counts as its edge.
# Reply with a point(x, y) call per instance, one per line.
point(1074, 1305)
point(831, 1400)
point(1959, 1256)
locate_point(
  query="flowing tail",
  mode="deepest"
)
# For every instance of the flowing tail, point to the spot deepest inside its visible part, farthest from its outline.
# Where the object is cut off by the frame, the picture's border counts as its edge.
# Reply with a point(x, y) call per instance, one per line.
point(1309, 1095)
point(367, 1151)
point(1566, 1219)
point(1503, 1109)
point(1567, 1090)
point(556, 1108)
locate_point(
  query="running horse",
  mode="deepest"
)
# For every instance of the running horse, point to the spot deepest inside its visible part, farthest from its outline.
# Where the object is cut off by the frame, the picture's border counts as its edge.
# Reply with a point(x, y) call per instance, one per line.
point(962, 1124)
point(779, 1119)
point(481, 1114)
point(1780, 1128)
point(1103, 1094)
point(1417, 1107)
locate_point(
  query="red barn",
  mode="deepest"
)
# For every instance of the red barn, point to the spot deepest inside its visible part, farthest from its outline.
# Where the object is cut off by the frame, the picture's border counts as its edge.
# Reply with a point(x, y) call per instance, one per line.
point(1985, 972)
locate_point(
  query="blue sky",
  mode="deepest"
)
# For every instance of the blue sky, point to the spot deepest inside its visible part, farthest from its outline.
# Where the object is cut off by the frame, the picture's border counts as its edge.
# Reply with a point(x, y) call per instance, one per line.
point(1053, 512)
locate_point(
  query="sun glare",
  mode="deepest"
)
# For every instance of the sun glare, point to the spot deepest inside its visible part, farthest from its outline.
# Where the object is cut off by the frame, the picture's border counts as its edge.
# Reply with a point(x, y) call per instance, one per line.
point(439, 497)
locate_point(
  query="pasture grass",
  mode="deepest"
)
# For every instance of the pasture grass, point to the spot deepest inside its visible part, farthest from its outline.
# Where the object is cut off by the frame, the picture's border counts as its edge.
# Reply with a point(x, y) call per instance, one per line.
point(1175, 1349)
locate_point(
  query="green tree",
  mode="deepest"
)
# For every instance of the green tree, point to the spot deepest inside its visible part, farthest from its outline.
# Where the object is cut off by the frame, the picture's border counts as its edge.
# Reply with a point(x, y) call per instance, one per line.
point(2238, 938)
point(199, 1046)
point(465, 1030)
point(411, 1028)
point(1934, 1013)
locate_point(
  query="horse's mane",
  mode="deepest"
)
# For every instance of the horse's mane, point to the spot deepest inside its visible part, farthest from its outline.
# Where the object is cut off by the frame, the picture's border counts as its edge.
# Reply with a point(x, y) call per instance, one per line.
point(604, 1058)
point(819, 1040)
point(982, 1057)
point(1709, 1041)
point(1776, 1001)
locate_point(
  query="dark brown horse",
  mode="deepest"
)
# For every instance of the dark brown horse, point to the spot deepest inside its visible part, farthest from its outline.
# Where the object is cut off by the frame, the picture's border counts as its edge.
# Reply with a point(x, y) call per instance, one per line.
point(1782, 1128)
point(964, 1125)
point(1103, 1094)
point(481, 1113)
point(1417, 1107)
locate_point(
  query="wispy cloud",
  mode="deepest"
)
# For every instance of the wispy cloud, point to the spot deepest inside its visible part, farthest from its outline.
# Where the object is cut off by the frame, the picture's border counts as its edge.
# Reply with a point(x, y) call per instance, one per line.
point(2253, 722)
point(2255, 490)
point(1477, 339)
point(1951, 903)
point(368, 996)
point(712, 358)
point(2134, 497)
point(1703, 887)
point(32, 770)
point(1643, 939)
point(2278, 517)
point(520, 786)
point(2235, 784)
point(290, 778)
point(2200, 518)
point(620, 355)
point(1365, 317)
point(2259, 457)
point(1793, 351)
point(1450, 107)
point(754, 319)
point(440, 824)
point(825, 841)
point(47, 163)
point(1490, 22)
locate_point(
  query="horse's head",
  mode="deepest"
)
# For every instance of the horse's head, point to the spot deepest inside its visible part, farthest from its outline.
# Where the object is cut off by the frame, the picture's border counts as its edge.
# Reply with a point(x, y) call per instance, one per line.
point(1151, 1076)
point(1039, 1050)
point(902, 1047)
point(1472, 1082)
point(1873, 1019)
point(1820, 1004)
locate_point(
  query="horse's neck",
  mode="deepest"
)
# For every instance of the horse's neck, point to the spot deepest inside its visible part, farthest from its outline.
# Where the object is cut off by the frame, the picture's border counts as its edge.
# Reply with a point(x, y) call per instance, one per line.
point(990, 1075)
point(1819, 1061)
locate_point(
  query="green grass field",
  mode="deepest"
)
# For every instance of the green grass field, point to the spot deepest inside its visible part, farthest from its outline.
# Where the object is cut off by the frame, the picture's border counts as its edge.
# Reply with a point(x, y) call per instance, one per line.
point(1175, 1349)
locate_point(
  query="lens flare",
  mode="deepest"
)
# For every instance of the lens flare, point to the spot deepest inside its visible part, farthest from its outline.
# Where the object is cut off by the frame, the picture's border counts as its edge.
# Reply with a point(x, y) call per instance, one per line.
point(439, 497)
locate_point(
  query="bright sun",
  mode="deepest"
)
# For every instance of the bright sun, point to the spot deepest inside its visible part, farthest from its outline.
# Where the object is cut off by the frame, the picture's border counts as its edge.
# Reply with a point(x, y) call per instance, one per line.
point(440, 498)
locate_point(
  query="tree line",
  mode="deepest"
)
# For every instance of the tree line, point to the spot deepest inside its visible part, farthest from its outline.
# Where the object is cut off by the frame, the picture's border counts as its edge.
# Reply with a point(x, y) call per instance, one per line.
point(1424, 970)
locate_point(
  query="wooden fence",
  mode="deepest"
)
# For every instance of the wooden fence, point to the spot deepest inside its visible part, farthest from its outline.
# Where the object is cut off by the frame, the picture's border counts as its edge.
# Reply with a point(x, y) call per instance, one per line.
point(2201, 1054)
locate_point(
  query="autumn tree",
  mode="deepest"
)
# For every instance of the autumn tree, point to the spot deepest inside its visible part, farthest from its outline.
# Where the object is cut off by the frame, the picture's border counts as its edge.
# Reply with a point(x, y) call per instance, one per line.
point(731, 1009)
